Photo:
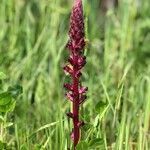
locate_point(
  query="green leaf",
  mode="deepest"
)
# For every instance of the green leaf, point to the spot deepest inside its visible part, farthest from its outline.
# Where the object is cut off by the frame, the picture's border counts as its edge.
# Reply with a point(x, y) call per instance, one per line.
point(2, 76)
point(9, 107)
point(5, 98)
point(100, 107)
point(15, 90)
point(97, 143)
point(82, 146)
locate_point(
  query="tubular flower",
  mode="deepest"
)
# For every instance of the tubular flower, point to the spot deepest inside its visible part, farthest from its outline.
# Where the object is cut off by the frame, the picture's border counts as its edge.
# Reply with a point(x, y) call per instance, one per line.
point(76, 93)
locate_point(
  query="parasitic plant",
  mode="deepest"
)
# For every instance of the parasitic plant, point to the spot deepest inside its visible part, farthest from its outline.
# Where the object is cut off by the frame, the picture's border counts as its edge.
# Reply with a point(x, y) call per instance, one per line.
point(76, 92)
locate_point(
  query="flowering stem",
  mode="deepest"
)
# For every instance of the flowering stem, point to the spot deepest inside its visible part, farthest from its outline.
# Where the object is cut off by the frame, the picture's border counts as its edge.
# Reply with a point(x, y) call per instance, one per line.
point(76, 92)
point(75, 105)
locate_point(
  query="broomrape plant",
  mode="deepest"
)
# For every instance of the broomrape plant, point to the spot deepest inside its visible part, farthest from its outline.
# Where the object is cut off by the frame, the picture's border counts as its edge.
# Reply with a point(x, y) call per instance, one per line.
point(76, 92)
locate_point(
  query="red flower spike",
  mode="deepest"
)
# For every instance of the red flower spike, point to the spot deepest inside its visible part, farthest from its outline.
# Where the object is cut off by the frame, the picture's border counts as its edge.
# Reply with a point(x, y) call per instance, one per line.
point(70, 96)
point(70, 60)
point(82, 99)
point(68, 86)
point(76, 32)
point(78, 74)
point(67, 69)
point(83, 90)
point(77, 61)
point(81, 59)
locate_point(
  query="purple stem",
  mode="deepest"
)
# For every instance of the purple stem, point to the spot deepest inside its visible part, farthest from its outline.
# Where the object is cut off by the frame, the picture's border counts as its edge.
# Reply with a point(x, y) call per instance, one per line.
point(76, 130)
point(77, 61)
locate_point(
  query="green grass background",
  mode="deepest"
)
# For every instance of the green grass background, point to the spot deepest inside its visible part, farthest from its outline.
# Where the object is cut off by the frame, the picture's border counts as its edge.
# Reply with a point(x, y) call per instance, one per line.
point(33, 35)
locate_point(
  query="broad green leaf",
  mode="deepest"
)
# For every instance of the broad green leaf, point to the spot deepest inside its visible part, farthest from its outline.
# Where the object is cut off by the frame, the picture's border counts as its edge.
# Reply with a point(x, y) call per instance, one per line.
point(100, 107)
point(97, 143)
point(5, 98)
point(15, 90)
point(82, 146)
point(12, 106)
point(9, 107)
